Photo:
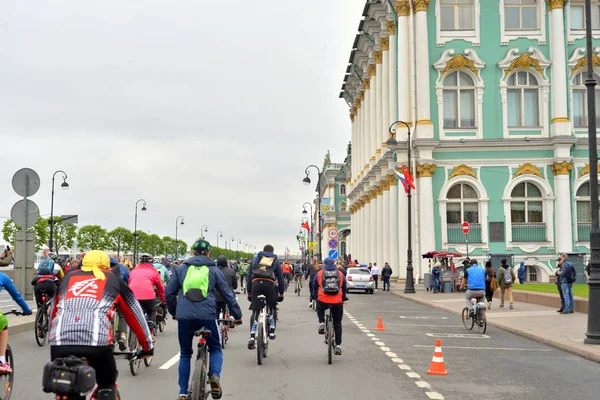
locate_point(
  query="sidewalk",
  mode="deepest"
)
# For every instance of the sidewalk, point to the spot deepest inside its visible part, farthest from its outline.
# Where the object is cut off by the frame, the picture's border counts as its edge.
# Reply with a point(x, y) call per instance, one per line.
point(539, 323)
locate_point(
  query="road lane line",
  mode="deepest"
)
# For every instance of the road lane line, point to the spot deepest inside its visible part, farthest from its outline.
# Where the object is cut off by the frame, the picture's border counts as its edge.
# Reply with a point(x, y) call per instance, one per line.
point(434, 396)
point(413, 375)
point(404, 367)
point(171, 362)
point(482, 348)
point(430, 326)
point(380, 343)
point(385, 349)
point(398, 360)
point(422, 384)
point(457, 335)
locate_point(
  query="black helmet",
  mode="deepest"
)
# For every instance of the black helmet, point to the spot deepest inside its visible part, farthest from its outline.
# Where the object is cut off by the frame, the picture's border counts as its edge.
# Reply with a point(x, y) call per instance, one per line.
point(201, 246)
point(222, 261)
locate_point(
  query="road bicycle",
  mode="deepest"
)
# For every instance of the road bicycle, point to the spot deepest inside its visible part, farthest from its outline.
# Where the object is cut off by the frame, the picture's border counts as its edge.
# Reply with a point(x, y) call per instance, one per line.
point(199, 390)
point(161, 318)
point(134, 346)
point(329, 335)
point(226, 323)
point(7, 378)
point(298, 284)
point(42, 319)
point(262, 330)
point(477, 318)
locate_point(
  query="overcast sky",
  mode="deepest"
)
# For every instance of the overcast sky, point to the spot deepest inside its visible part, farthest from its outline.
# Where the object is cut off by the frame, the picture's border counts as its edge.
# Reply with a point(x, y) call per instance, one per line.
point(206, 109)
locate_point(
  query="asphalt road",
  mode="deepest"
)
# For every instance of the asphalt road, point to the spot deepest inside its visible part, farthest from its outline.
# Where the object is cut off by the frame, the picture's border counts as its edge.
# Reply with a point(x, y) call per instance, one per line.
point(389, 364)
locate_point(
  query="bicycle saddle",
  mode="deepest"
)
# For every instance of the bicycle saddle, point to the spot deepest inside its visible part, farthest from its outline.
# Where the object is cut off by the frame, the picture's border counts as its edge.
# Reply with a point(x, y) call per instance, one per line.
point(203, 332)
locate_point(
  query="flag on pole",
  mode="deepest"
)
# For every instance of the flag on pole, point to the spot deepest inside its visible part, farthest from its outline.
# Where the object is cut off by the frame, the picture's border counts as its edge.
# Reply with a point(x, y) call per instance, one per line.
point(406, 179)
point(306, 226)
point(403, 180)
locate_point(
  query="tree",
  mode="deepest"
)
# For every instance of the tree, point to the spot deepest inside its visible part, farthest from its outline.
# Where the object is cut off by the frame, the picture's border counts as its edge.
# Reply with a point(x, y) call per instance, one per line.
point(121, 239)
point(64, 234)
point(40, 228)
point(154, 244)
point(168, 246)
point(182, 248)
point(92, 237)
point(142, 242)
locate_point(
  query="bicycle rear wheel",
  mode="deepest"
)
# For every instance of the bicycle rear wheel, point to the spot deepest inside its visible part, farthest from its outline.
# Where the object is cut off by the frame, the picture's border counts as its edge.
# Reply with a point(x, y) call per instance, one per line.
point(40, 326)
point(199, 378)
point(6, 380)
point(134, 364)
point(482, 323)
point(467, 321)
point(223, 330)
point(329, 340)
point(260, 343)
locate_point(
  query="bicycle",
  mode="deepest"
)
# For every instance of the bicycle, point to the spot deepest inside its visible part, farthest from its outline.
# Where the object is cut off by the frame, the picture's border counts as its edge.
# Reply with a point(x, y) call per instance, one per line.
point(226, 323)
point(42, 320)
point(329, 335)
point(200, 378)
point(7, 378)
point(134, 346)
point(262, 331)
point(298, 284)
point(477, 318)
point(161, 318)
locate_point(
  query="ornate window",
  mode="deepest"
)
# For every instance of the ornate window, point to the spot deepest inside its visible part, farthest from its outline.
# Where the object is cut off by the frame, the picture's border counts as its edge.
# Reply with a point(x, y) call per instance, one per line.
point(583, 209)
point(523, 18)
point(342, 189)
point(523, 100)
point(526, 204)
point(463, 204)
point(576, 19)
point(459, 101)
point(580, 114)
point(457, 19)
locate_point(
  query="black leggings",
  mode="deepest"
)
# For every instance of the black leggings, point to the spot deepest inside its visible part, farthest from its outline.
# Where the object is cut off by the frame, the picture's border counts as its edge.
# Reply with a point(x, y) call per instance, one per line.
point(337, 312)
point(267, 288)
point(489, 294)
point(48, 286)
point(149, 308)
point(99, 358)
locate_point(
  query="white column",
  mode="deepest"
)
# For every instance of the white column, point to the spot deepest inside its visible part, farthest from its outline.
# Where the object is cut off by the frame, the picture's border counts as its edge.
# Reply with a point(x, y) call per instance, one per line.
point(386, 222)
point(354, 118)
point(426, 217)
point(368, 237)
point(367, 131)
point(562, 188)
point(393, 80)
point(373, 229)
point(373, 114)
point(356, 232)
point(385, 89)
point(404, 67)
point(393, 213)
point(362, 233)
point(422, 70)
point(379, 227)
point(402, 220)
point(560, 120)
point(379, 102)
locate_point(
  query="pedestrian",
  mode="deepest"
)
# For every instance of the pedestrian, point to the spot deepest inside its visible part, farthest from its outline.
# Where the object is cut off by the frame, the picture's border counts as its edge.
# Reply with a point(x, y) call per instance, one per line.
point(491, 283)
point(521, 273)
point(6, 257)
point(506, 278)
point(557, 282)
point(567, 277)
point(370, 267)
point(588, 271)
point(435, 276)
point(375, 275)
point(386, 275)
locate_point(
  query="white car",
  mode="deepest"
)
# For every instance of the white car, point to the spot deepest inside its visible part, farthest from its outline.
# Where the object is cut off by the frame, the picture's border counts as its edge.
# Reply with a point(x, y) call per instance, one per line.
point(360, 279)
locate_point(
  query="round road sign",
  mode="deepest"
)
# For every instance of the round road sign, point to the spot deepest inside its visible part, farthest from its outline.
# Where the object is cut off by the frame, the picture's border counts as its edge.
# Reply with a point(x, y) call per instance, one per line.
point(333, 244)
point(465, 227)
point(17, 214)
point(333, 233)
point(26, 182)
point(333, 254)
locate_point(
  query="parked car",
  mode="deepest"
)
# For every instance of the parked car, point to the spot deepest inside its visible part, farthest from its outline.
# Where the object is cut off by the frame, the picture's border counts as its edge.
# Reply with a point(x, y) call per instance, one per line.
point(360, 279)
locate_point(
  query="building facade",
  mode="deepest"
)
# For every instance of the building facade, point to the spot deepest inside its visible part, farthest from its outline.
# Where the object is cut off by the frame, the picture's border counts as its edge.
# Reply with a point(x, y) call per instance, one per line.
point(494, 94)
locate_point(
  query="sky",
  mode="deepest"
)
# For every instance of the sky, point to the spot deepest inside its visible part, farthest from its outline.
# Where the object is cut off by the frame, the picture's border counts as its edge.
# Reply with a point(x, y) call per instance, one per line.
point(210, 110)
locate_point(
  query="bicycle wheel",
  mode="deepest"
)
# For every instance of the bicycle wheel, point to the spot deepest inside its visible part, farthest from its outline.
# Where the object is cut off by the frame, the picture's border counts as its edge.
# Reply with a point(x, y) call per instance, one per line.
point(148, 361)
point(260, 345)
point(223, 330)
point(134, 364)
point(40, 326)
point(6, 380)
point(482, 323)
point(467, 321)
point(329, 340)
point(199, 379)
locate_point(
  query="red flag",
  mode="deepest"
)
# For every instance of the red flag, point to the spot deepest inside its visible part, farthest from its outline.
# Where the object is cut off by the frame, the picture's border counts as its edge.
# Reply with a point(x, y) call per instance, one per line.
point(409, 179)
point(306, 226)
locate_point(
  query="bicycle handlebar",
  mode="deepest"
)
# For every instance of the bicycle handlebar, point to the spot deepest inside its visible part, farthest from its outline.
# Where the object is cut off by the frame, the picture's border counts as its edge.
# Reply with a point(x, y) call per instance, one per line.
point(14, 311)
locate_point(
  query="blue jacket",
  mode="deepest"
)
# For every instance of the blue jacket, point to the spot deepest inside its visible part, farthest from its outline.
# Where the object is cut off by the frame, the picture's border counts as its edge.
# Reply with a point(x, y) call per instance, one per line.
point(278, 271)
point(562, 276)
point(521, 272)
point(180, 307)
point(475, 277)
point(5, 282)
point(123, 270)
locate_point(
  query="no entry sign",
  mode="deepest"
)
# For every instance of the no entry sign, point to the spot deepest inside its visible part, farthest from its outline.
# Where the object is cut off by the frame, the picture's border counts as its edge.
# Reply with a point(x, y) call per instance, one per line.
point(465, 227)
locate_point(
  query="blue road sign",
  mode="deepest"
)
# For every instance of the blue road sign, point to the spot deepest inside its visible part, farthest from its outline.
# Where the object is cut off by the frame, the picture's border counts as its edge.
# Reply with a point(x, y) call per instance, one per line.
point(333, 254)
point(333, 244)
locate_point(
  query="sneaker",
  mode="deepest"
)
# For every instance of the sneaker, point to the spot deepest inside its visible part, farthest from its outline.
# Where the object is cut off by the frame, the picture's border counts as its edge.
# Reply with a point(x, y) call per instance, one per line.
point(5, 368)
point(571, 312)
point(511, 307)
point(215, 387)
point(490, 305)
point(272, 335)
point(182, 397)
point(559, 311)
point(251, 343)
point(564, 312)
point(321, 329)
point(310, 305)
point(501, 305)
point(338, 350)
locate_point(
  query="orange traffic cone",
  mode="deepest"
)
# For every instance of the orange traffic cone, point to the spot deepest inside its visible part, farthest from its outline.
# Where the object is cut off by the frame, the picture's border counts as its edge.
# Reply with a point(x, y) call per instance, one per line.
point(380, 325)
point(437, 364)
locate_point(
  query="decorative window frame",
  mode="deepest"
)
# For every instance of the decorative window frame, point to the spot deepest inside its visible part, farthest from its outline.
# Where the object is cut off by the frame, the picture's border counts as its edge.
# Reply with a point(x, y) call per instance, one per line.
point(483, 211)
point(536, 34)
point(576, 185)
point(534, 61)
point(574, 35)
point(469, 63)
point(548, 207)
point(344, 191)
point(472, 36)
point(578, 62)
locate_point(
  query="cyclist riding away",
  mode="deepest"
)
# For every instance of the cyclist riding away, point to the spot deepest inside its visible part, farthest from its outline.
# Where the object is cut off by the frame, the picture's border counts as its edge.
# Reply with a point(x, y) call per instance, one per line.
point(286, 268)
point(191, 300)
point(475, 278)
point(230, 279)
point(164, 273)
point(143, 280)
point(120, 324)
point(86, 300)
point(6, 282)
point(243, 269)
point(49, 274)
point(330, 289)
point(312, 269)
point(297, 271)
point(261, 280)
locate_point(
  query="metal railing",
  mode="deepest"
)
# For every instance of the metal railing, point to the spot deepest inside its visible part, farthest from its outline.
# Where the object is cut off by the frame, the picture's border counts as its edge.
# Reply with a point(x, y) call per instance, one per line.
point(583, 231)
point(456, 235)
point(529, 232)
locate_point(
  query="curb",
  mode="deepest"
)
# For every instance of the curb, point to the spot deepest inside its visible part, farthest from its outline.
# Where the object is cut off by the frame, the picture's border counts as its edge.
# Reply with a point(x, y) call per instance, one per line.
point(22, 327)
point(561, 346)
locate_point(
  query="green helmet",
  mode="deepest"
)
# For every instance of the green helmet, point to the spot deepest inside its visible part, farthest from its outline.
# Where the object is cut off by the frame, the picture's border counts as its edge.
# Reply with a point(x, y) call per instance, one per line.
point(201, 247)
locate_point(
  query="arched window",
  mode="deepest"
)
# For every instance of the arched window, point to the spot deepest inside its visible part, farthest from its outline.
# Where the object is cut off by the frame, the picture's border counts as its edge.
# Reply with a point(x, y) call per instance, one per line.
point(580, 113)
point(342, 189)
point(523, 105)
point(462, 205)
point(527, 213)
point(584, 218)
point(459, 100)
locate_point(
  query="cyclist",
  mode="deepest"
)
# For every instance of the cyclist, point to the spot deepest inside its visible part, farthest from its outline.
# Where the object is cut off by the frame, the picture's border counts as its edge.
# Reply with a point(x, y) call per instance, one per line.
point(143, 280)
point(261, 280)
point(297, 271)
point(243, 269)
point(6, 282)
point(164, 273)
point(49, 274)
point(85, 300)
point(191, 300)
point(475, 278)
point(121, 324)
point(230, 278)
point(287, 271)
point(311, 270)
point(330, 290)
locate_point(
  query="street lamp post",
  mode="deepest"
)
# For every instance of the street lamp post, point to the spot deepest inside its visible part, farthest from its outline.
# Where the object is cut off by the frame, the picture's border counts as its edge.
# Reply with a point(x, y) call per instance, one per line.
point(65, 186)
point(306, 181)
point(219, 234)
point(592, 336)
point(237, 251)
point(176, 242)
point(135, 229)
point(392, 142)
point(203, 230)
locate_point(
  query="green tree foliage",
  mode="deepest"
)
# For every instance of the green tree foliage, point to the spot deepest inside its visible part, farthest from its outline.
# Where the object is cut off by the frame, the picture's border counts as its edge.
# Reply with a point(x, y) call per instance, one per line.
point(153, 245)
point(182, 248)
point(121, 240)
point(142, 240)
point(92, 237)
point(168, 246)
point(40, 228)
point(230, 254)
point(64, 234)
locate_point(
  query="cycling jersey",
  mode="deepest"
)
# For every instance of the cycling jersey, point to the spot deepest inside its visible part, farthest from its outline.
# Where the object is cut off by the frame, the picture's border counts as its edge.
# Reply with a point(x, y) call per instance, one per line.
point(143, 279)
point(164, 273)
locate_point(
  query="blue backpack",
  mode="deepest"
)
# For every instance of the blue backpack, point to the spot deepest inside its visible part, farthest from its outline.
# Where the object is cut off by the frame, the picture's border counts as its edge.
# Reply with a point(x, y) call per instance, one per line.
point(46, 267)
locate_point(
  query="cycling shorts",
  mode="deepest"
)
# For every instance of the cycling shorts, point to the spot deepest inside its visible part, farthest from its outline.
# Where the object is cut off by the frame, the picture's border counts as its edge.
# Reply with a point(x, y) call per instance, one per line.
point(3, 322)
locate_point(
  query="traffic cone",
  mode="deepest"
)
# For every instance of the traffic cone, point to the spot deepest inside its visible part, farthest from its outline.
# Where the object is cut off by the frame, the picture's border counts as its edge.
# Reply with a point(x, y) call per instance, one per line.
point(380, 325)
point(437, 364)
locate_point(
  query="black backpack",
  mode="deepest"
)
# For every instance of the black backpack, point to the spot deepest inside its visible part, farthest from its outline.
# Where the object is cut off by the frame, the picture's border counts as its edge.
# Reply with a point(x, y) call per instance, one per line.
point(330, 281)
point(571, 274)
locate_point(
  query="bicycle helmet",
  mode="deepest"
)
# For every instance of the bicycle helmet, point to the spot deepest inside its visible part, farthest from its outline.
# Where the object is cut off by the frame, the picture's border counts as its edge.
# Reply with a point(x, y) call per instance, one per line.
point(53, 256)
point(201, 246)
point(146, 258)
point(222, 261)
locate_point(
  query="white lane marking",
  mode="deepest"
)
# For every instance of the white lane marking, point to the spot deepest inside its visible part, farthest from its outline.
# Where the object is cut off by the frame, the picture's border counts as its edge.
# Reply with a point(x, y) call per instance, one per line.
point(404, 367)
point(422, 384)
point(380, 343)
point(398, 360)
point(392, 355)
point(430, 326)
point(420, 317)
point(171, 362)
point(483, 348)
point(413, 375)
point(434, 396)
point(458, 335)
point(374, 338)
point(370, 335)
point(385, 349)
